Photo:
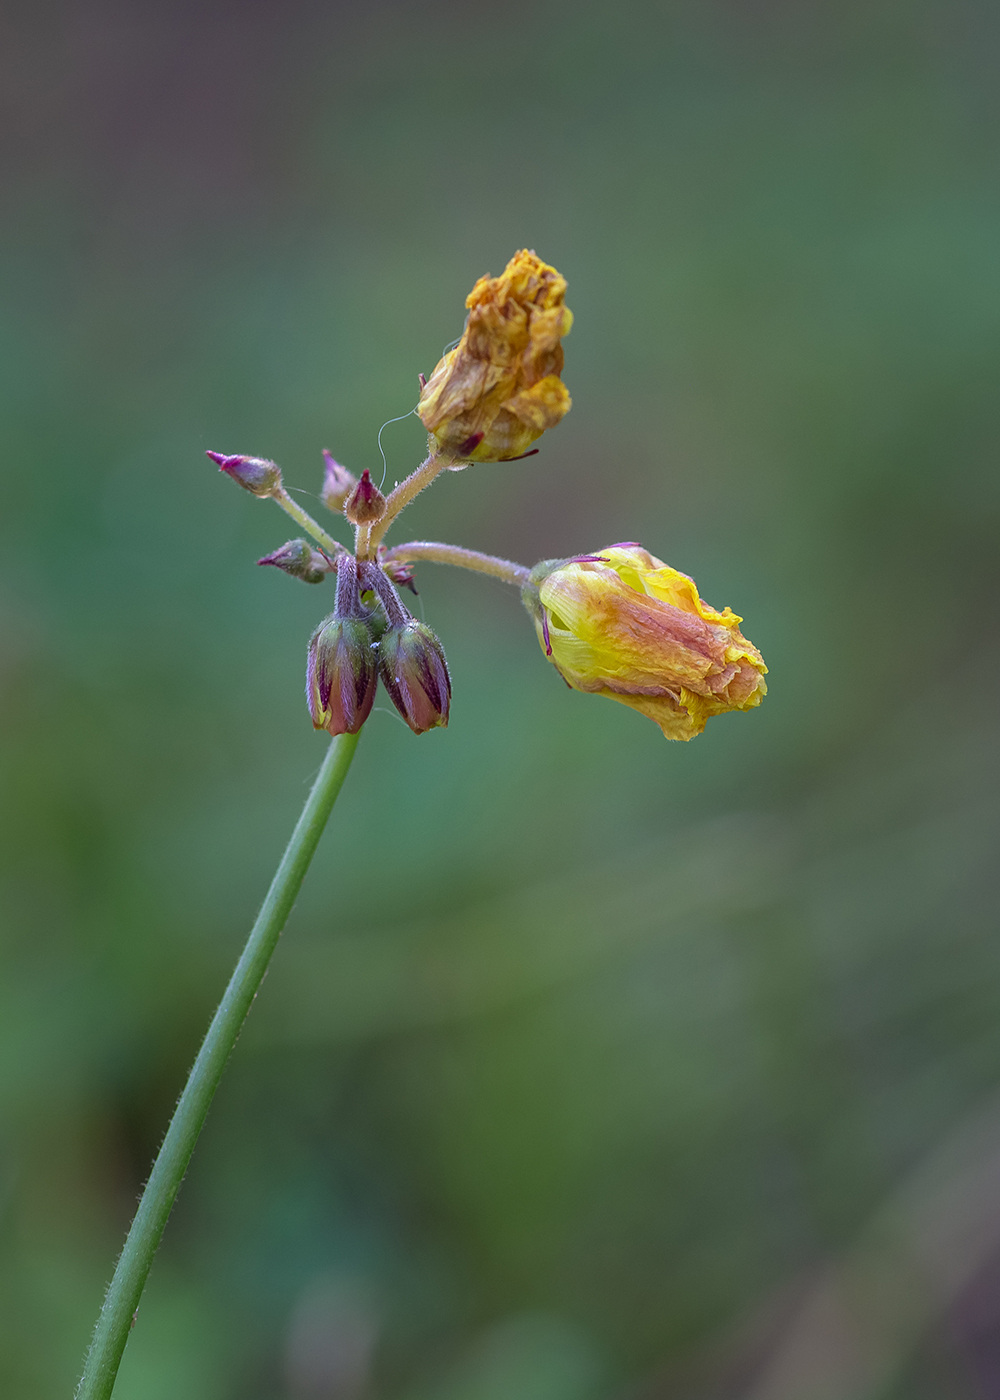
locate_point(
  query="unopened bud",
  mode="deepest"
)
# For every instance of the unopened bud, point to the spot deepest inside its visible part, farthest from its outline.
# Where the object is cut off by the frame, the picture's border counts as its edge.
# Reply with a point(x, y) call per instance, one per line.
point(400, 571)
point(341, 675)
point(338, 483)
point(366, 503)
point(415, 673)
point(300, 560)
point(253, 473)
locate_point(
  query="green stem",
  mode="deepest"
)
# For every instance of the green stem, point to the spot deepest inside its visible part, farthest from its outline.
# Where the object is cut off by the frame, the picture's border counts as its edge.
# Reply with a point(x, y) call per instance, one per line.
point(303, 518)
point(171, 1163)
point(491, 564)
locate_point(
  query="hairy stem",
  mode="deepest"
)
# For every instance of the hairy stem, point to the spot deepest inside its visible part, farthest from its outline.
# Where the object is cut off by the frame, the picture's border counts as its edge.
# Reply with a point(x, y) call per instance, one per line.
point(397, 500)
point(125, 1289)
point(303, 518)
point(385, 590)
point(491, 564)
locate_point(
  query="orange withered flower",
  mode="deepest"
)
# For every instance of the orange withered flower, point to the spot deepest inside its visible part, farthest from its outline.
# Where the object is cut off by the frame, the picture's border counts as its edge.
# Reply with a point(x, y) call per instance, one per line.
point(499, 389)
point(623, 624)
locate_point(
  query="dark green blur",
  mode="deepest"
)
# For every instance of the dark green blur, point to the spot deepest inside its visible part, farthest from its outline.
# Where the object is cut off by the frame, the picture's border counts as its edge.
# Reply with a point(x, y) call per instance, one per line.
point(591, 1066)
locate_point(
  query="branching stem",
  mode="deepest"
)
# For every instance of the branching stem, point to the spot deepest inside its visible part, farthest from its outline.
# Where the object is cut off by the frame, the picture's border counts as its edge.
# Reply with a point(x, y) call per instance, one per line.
point(171, 1163)
point(370, 536)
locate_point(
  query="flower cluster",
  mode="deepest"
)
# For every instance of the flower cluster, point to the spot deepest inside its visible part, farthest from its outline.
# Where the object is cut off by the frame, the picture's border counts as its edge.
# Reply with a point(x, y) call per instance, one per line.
point(356, 644)
point(618, 623)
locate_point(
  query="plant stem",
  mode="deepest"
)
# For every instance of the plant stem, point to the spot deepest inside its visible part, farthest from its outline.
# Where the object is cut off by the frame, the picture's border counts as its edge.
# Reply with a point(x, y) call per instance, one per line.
point(404, 493)
point(491, 564)
point(303, 518)
point(122, 1298)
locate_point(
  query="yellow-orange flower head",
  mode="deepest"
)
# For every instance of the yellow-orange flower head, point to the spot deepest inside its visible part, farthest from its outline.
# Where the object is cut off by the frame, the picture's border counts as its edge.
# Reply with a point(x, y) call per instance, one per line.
point(623, 624)
point(499, 389)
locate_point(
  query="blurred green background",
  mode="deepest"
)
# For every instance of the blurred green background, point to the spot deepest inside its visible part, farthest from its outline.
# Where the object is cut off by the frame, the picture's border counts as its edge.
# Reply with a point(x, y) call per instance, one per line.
point(591, 1067)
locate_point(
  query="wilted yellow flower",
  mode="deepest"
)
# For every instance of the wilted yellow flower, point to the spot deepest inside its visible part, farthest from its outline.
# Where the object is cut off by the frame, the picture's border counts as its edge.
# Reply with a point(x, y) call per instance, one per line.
point(625, 625)
point(499, 389)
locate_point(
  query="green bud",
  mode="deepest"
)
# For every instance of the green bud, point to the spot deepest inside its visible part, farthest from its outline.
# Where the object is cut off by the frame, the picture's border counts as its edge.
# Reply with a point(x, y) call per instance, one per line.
point(341, 675)
point(300, 560)
point(415, 673)
point(254, 474)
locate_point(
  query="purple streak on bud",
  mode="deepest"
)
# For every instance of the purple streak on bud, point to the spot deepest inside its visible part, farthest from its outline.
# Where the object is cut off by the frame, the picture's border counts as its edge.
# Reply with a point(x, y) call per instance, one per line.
point(338, 483)
point(365, 504)
point(253, 473)
point(300, 560)
point(415, 673)
point(589, 559)
point(422, 381)
point(545, 632)
point(469, 445)
point(533, 453)
point(341, 675)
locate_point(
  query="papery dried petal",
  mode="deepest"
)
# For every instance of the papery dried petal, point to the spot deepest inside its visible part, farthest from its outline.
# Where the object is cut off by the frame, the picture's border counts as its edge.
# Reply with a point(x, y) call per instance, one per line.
point(492, 396)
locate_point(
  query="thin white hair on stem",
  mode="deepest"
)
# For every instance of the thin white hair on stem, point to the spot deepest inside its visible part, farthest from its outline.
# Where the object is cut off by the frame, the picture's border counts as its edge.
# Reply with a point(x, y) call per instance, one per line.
point(385, 464)
point(451, 345)
point(382, 710)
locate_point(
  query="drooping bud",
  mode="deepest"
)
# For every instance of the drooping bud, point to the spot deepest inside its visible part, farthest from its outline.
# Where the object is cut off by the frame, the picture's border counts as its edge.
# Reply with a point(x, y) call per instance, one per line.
point(341, 669)
point(338, 483)
point(623, 624)
point(300, 560)
point(341, 675)
point(415, 673)
point(365, 504)
point(254, 474)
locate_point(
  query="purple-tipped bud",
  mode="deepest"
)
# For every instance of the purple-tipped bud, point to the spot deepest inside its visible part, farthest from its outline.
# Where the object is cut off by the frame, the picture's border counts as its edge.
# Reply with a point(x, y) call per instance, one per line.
point(338, 483)
point(366, 503)
point(415, 673)
point(300, 560)
point(341, 675)
point(253, 473)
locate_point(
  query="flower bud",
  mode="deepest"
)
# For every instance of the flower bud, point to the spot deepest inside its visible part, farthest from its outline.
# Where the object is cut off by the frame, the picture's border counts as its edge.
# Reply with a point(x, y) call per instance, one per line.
point(623, 624)
point(499, 389)
point(300, 560)
point(399, 570)
point(341, 675)
point(366, 503)
point(253, 473)
point(415, 673)
point(338, 483)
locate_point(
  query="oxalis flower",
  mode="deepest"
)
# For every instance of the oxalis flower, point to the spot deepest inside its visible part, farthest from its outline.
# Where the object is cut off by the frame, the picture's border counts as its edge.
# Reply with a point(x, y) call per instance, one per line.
point(499, 389)
point(623, 624)
point(619, 623)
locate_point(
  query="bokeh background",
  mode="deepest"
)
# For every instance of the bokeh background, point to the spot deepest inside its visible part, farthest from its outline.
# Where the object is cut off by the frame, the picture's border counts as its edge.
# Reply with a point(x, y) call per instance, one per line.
point(591, 1067)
